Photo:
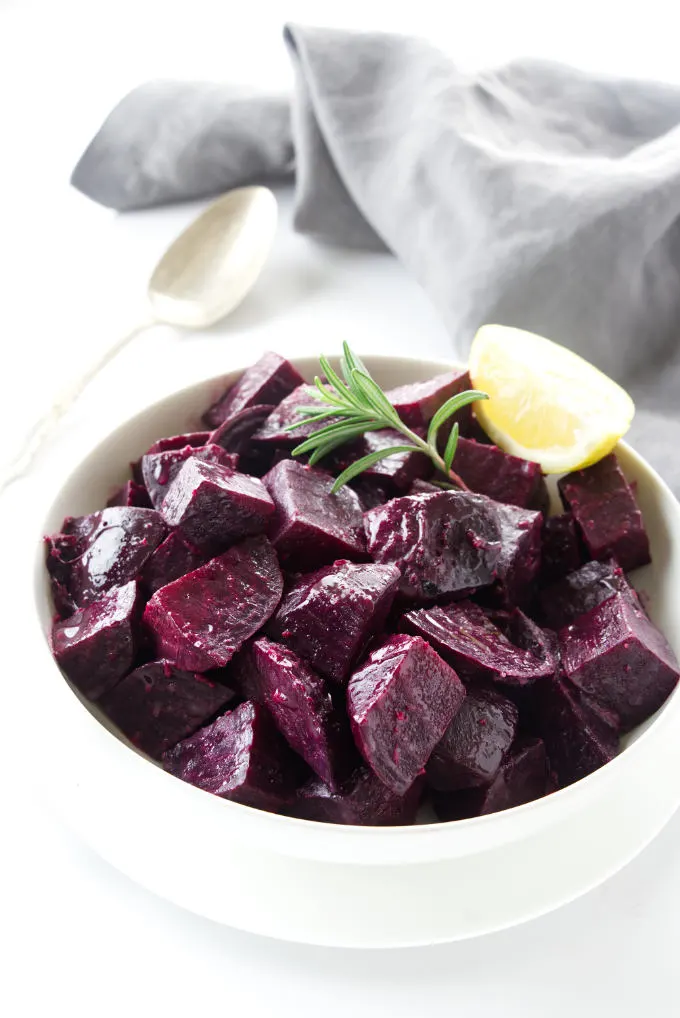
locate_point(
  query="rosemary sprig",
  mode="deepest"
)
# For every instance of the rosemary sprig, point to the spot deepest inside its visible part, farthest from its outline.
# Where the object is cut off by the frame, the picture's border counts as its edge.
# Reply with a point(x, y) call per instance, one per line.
point(350, 406)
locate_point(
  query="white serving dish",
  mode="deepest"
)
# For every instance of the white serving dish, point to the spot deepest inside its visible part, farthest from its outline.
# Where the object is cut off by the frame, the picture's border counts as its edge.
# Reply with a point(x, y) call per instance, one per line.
point(326, 884)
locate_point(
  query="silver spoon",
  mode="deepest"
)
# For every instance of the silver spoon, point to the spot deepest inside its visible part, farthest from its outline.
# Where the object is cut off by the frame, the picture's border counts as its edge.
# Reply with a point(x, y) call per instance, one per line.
point(204, 274)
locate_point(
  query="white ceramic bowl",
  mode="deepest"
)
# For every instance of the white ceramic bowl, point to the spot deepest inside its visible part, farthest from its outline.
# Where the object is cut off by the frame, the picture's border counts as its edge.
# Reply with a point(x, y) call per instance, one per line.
point(334, 885)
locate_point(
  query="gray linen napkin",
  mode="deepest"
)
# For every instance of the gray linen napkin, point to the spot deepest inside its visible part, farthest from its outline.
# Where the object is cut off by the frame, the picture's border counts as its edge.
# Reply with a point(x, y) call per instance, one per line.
point(531, 195)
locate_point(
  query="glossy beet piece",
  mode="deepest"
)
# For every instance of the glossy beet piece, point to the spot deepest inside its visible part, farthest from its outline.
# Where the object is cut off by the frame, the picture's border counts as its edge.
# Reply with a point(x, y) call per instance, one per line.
point(106, 549)
point(371, 491)
point(420, 487)
point(519, 562)
point(159, 469)
point(417, 402)
point(311, 526)
point(561, 548)
point(214, 506)
point(505, 478)
point(364, 801)
point(236, 433)
point(269, 380)
point(582, 590)
point(445, 544)
point(329, 616)
point(475, 742)
point(397, 471)
point(95, 647)
point(131, 494)
point(240, 756)
point(618, 656)
point(157, 704)
point(303, 711)
point(195, 439)
point(274, 431)
point(604, 507)
point(478, 650)
point(173, 558)
point(201, 620)
point(400, 703)
point(522, 777)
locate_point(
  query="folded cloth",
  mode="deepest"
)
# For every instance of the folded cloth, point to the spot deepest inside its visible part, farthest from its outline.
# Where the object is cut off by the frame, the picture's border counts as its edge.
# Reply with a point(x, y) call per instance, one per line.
point(531, 195)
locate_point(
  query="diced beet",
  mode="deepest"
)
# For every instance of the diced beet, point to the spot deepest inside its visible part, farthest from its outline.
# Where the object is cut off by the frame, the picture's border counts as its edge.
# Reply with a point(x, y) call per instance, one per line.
point(269, 380)
point(445, 544)
point(490, 471)
point(160, 469)
point(173, 558)
point(348, 600)
point(618, 656)
point(213, 506)
point(604, 507)
point(236, 433)
point(475, 742)
point(303, 711)
point(61, 550)
point(312, 526)
point(417, 402)
point(371, 491)
point(522, 777)
point(582, 590)
point(131, 494)
point(526, 634)
point(95, 647)
point(398, 471)
point(108, 549)
point(420, 487)
point(520, 558)
point(562, 551)
point(157, 705)
point(240, 756)
point(477, 649)
point(274, 431)
point(576, 736)
point(364, 801)
point(195, 439)
point(400, 703)
point(200, 621)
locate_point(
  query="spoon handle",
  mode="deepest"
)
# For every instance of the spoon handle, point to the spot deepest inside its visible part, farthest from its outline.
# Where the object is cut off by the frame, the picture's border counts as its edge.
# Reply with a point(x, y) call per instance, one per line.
point(44, 428)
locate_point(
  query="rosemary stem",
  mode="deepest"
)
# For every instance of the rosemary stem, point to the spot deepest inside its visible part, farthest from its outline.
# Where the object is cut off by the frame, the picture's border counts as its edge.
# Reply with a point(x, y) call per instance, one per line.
point(435, 457)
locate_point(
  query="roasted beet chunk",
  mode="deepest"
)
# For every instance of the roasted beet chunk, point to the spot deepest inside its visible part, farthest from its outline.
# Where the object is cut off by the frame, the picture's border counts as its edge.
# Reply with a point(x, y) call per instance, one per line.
point(349, 601)
point(274, 431)
point(372, 491)
point(615, 654)
point(445, 544)
point(417, 402)
point(131, 493)
point(312, 526)
point(582, 590)
point(200, 621)
point(213, 506)
point(400, 703)
point(505, 478)
point(604, 507)
point(303, 710)
point(95, 647)
point(520, 558)
point(194, 439)
point(477, 649)
point(236, 432)
point(561, 552)
point(171, 559)
point(157, 705)
point(240, 756)
point(522, 777)
point(159, 469)
point(363, 801)
point(106, 549)
point(398, 471)
point(269, 380)
point(475, 742)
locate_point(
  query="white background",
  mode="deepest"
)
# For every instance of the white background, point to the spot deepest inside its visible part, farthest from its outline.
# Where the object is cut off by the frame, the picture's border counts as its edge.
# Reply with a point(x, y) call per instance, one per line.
point(79, 935)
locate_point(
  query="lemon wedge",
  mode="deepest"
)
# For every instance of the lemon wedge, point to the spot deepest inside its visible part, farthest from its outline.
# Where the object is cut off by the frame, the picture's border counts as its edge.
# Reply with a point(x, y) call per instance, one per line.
point(545, 403)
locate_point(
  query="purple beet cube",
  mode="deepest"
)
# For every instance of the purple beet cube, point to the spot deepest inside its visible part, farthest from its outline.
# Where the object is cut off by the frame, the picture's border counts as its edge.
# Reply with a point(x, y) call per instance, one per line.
point(479, 651)
point(397, 471)
point(522, 777)
point(475, 743)
point(237, 431)
point(363, 801)
point(604, 507)
point(445, 544)
point(214, 506)
point(240, 756)
point(157, 704)
point(616, 654)
point(195, 439)
point(159, 469)
point(562, 552)
point(95, 647)
point(582, 590)
point(269, 380)
point(311, 526)
point(417, 402)
point(371, 491)
point(201, 620)
point(103, 550)
point(274, 431)
point(520, 558)
point(303, 710)
point(420, 487)
point(350, 601)
point(173, 558)
point(490, 471)
point(131, 494)
point(400, 703)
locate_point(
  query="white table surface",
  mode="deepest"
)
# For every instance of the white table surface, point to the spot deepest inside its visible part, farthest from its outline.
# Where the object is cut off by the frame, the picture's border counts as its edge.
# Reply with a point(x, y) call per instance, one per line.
point(78, 933)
